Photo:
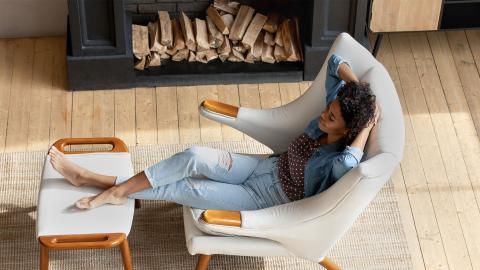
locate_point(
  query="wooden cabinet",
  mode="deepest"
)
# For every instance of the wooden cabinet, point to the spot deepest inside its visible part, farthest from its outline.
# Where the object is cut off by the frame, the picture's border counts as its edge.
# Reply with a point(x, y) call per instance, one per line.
point(405, 15)
point(423, 15)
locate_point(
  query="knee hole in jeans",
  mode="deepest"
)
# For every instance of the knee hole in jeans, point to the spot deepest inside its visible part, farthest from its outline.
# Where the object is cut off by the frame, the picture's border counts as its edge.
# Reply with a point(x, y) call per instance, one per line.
point(225, 160)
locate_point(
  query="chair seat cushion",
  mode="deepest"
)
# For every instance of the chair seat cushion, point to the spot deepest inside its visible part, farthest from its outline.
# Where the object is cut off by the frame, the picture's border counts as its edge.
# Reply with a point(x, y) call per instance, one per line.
point(56, 213)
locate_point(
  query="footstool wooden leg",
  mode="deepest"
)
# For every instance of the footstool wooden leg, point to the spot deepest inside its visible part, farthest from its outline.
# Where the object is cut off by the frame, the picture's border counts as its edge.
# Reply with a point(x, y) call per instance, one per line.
point(43, 257)
point(127, 259)
point(203, 261)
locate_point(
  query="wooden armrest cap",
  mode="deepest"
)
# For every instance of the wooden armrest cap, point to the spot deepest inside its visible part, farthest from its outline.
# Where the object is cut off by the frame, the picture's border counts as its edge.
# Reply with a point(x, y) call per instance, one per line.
point(220, 108)
point(221, 217)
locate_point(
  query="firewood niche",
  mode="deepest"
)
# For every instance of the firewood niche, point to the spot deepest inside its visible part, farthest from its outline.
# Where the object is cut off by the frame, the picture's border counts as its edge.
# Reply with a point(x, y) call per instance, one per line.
point(230, 31)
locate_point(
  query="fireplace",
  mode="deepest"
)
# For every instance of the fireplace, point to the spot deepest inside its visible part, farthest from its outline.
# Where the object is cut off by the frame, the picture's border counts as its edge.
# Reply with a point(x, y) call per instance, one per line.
point(99, 46)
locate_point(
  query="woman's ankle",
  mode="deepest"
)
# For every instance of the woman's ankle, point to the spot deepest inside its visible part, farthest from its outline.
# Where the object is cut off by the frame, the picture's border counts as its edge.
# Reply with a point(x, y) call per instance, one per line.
point(97, 180)
point(119, 191)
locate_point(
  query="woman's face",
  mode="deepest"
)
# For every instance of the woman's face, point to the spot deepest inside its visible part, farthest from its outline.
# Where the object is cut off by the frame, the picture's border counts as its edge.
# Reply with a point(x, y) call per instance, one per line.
point(331, 120)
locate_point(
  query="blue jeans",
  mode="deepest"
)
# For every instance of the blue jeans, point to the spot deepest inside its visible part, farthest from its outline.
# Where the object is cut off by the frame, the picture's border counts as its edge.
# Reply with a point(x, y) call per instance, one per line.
point(208, 178)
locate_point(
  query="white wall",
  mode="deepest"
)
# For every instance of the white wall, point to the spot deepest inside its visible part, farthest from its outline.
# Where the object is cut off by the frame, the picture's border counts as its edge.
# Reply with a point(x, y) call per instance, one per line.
point(32, 18)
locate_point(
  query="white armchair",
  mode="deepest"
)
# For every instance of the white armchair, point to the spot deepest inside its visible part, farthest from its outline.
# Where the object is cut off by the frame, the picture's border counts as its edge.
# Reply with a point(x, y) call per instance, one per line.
point(307, 228)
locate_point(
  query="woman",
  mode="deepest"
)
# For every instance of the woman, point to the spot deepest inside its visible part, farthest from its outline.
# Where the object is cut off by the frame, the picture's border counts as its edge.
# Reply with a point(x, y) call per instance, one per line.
point(208, 178)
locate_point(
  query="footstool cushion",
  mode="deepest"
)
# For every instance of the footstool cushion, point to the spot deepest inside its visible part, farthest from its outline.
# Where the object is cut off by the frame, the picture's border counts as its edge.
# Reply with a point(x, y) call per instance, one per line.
point(56, 212)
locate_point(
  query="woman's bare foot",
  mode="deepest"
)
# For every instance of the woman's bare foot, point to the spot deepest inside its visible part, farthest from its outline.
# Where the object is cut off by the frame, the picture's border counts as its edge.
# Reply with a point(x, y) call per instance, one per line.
point(72, 172)
point(109, 196)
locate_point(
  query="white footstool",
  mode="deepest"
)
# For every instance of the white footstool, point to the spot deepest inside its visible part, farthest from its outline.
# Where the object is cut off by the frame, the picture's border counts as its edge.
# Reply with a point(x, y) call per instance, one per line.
point(61, 226)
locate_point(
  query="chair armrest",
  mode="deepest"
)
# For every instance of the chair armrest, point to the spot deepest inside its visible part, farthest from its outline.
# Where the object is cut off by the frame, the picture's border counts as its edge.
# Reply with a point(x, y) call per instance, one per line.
point(221, 217)
point(220, 108)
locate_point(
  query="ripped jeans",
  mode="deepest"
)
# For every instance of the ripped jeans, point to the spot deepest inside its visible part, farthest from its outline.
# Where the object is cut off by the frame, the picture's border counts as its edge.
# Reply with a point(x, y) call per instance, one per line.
point(208, 178)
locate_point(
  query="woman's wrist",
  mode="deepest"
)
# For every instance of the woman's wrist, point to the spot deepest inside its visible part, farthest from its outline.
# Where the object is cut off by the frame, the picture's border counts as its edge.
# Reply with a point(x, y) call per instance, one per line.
point(368, 128)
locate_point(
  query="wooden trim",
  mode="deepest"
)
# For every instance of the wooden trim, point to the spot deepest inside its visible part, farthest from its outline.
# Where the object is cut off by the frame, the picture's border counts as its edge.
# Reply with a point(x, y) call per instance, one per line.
point(118, 145)
point(220, 217)
point(220, 108)
point(82, 241)
point(202, 263)
point(329, 264)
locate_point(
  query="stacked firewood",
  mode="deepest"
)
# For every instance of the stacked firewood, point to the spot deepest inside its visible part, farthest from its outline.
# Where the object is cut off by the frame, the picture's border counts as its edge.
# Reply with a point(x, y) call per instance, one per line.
point(230, 32)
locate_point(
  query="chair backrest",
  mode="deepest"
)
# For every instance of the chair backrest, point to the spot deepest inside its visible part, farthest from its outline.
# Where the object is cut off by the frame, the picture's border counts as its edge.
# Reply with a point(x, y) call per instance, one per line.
point(277, 127)
point(310, 227)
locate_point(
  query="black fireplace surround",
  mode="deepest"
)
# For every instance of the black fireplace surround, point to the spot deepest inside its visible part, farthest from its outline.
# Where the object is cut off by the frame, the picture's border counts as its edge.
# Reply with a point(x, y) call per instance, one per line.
point(99, 46)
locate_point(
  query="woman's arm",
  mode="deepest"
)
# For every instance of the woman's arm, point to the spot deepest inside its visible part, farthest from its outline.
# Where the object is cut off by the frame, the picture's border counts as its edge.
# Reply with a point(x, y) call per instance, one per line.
point(351, 156)
point(361, 139)
point(346, 74)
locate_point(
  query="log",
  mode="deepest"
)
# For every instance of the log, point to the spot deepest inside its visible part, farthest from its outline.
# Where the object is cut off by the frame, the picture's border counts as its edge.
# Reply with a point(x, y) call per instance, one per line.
point(200, 57)
point(223, 57)
point(201, 60)
point(233, 58)
point(147, 61)
point(171, 51)
point(271, 25)
point(187, 31)
point(211, 54)
point(155, 60)
point(226, 47)
point(228, 21)
point(239, 48)
point(244, 16)
point(165, 28)
point(227, 6)
point(253, 30)
point(269, 39)
point(201, 35)
point(140, 41)
point(140, 64)
point(217, 20)
point(279, 53)
point(178, 41)
point(191, 57)
point(215, 38)
point(250, 58)
point(278, 38)
point(164, 56)
point(267, 54)
point(154, 38)
point(181, 55)
point(238, 55)
point(288, 38)
point(257, 48)
point(224, 50)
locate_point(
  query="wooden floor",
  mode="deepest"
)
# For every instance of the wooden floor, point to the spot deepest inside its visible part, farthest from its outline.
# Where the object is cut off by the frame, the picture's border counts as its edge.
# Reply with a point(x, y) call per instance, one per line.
point(437, 79)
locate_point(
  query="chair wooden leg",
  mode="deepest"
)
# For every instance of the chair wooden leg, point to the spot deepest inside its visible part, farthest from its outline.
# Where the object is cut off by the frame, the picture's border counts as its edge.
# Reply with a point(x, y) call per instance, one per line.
point(203, 261)
point(43, 257)
point(127, 259)
point(328, 264)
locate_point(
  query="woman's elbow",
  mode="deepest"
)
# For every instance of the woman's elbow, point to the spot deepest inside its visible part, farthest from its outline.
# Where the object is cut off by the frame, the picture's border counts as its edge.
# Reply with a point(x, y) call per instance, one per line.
point(342, 166)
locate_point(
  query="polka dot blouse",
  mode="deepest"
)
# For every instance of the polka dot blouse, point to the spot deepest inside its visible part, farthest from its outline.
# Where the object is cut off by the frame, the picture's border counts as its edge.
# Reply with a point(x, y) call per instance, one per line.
point(291, 166)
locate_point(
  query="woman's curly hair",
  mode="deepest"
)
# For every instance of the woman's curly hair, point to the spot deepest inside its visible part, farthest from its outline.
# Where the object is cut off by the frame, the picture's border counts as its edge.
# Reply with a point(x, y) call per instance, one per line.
point(357, 103)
